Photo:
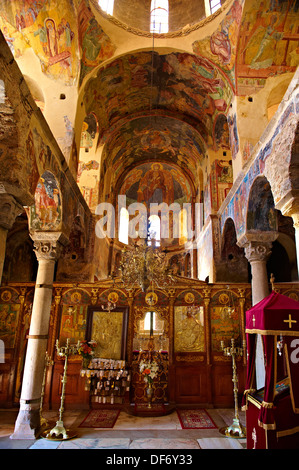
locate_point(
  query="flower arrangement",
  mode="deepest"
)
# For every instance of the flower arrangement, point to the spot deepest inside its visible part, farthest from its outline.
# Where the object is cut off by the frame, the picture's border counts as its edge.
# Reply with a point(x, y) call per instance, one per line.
point(149, 369)
point(86, 350)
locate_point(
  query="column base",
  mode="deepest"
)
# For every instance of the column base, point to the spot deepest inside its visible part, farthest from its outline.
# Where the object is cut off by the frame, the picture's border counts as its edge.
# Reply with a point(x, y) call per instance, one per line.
point(27, 425)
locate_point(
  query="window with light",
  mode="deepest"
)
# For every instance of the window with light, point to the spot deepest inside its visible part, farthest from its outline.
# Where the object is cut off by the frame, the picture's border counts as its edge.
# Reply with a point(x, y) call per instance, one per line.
point(159, 16)
point(107, 6)
point(124, 226)
point(215, 5)
point(154, 229)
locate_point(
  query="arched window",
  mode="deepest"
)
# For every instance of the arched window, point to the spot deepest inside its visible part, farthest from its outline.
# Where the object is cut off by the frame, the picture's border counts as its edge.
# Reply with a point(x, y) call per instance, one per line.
point(159, 16)
point(107, 6)
point(215, 5)
point(154, 229)
point(123, 233)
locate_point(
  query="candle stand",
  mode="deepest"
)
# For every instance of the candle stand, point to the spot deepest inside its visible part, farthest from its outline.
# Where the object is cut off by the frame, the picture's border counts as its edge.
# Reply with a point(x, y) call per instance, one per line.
point(48, 362)
point(235, 430)
point(59, 433)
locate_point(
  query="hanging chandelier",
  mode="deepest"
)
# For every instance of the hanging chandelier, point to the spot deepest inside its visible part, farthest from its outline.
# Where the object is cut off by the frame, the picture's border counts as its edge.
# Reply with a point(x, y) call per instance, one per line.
point(145, 266)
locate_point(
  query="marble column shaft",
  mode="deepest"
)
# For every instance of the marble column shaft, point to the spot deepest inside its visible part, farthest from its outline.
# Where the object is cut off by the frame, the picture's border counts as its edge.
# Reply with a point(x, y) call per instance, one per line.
point(28, 420)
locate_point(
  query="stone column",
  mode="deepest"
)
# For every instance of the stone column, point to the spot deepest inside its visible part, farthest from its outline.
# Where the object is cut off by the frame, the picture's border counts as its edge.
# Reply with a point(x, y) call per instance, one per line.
point(257, 250)
point(9, 210)
point(47, 248)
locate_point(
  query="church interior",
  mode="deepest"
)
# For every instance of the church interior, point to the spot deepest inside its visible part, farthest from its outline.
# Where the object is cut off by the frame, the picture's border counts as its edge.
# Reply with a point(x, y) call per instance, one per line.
point(149, 200)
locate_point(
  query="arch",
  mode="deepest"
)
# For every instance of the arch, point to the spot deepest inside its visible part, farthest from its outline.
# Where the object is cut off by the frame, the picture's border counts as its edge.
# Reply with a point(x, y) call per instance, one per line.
point(46, 212)
point(233, 265)
point(261, 213)
point(20, 261)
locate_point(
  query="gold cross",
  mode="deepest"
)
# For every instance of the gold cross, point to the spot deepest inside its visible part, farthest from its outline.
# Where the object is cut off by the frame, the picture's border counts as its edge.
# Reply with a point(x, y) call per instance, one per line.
point(290, 321)
point(253, 320)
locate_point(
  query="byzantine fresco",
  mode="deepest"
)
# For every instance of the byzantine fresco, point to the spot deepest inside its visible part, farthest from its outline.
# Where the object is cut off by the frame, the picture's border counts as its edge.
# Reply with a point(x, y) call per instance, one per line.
point(221, 180)
point(160, 138)
point(49, 28)
point(156, 182)
point(181, 82)
point(46, 213)
point(261, 214)
point(95, 45)
point(88, 166)
point(268, 42)
point(221, 46)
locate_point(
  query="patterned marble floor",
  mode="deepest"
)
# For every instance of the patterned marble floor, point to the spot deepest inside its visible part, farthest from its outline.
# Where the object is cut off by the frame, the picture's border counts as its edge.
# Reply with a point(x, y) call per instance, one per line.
point(129, 432)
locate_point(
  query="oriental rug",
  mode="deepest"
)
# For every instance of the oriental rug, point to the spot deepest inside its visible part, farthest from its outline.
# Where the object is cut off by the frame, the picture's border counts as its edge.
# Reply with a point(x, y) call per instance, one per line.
point(100, 419)
point(195, 419)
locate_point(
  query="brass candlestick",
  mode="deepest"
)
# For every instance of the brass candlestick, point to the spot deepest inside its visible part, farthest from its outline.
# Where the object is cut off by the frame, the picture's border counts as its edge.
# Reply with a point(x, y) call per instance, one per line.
point(48, 362)
point(235, 430)
point(59, 428)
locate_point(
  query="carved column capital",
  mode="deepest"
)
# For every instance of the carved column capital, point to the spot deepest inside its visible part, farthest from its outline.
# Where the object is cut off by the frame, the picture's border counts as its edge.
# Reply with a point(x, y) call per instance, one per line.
point(48, 245)
point(9, 210)
point(258, 251)
point(257, 245)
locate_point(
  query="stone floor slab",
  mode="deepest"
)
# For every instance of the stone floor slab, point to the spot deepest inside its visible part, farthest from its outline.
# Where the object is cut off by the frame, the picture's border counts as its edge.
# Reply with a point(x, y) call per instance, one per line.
point(219, 443)
point(164, 444)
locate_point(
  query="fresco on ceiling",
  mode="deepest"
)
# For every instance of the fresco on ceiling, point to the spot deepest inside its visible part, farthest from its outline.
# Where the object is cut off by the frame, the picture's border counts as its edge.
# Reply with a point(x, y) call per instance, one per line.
point(268, 42)
point(45, 214)
point(182, 83)
point(155, 182)
point(95, 45)
point(221, 46)
point(157, 138)
point(49, 28)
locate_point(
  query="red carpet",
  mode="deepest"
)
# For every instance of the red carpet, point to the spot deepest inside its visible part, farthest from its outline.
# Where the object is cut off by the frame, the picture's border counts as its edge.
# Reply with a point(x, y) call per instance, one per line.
point(195, 419)
point(100, 419)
